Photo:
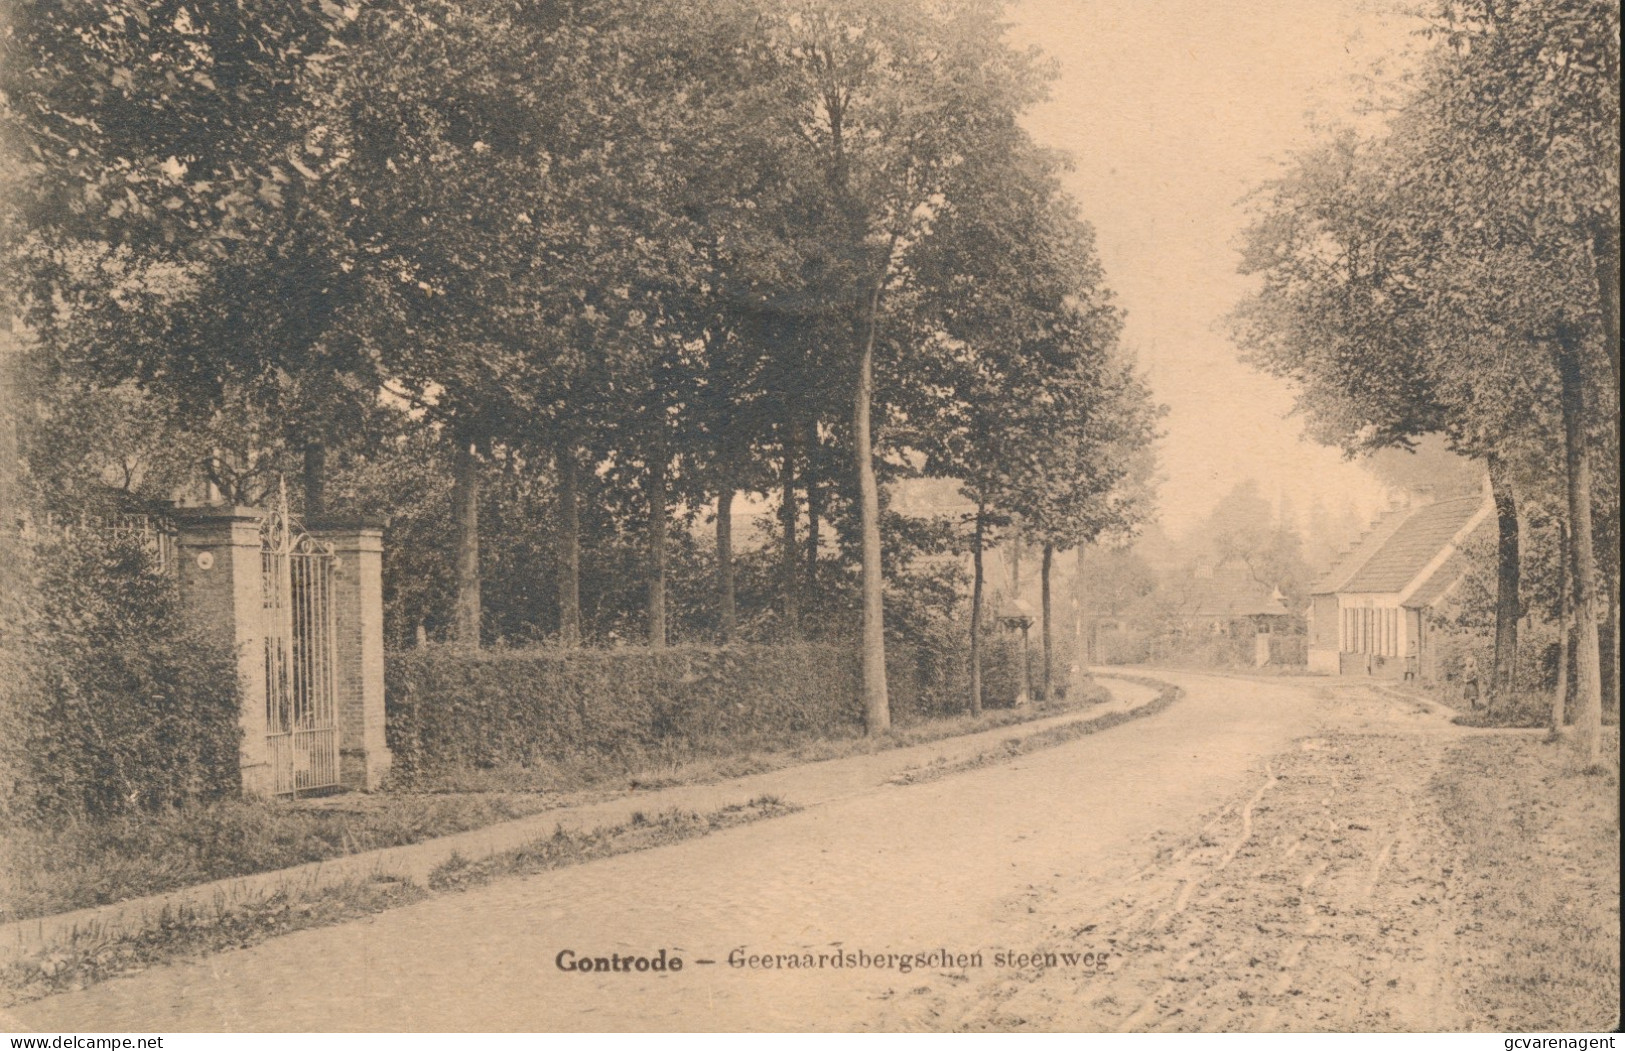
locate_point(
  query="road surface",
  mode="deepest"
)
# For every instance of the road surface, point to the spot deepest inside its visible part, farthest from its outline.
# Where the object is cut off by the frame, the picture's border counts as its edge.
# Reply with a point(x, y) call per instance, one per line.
point(994, 860)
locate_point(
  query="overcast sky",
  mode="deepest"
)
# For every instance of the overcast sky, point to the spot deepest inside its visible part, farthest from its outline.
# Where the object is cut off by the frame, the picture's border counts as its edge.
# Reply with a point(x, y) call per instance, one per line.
point(1173, 110)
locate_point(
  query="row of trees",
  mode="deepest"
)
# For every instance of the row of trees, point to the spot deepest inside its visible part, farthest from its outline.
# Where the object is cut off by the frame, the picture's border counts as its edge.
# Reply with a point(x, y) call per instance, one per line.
point(1456, 274)
point(657, 253)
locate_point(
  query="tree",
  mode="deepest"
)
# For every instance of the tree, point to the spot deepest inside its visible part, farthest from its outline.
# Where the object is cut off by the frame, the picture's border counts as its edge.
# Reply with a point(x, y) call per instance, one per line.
point(1243, 527)
point(184, 214)
point(1096, 482)
point(886, 102)
point(520, 183)
point(1348, 266)
point(1020, 392)
point(1445, 277)
point(1525, 97)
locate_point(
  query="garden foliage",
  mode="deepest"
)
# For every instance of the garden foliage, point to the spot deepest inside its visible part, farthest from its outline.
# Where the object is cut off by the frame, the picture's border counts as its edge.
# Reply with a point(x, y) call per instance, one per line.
point(451, 707)
point(113, 703)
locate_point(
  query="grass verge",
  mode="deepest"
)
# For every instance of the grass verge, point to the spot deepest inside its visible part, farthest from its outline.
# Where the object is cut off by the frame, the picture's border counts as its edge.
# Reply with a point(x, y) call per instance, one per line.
point(90, 864)
point(642, 832)
point(1538, 848)
point(91, 956)
point(83, 865)
point(1056, 735)
point(1526, 710)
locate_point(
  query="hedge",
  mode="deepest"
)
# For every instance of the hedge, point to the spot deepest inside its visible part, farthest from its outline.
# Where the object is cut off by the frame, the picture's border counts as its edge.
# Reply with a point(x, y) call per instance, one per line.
point(452, 708)
point(112, 704)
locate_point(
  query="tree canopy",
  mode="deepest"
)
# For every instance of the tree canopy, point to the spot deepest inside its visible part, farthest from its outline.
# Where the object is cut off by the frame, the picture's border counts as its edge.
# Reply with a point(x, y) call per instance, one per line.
point(603, 263)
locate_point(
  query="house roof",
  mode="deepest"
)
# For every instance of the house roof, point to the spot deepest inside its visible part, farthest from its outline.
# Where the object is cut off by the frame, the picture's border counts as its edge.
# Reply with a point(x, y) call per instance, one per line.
point(929, 498)
point(1439, 582)
point(1363, 551)
point(1404, 545)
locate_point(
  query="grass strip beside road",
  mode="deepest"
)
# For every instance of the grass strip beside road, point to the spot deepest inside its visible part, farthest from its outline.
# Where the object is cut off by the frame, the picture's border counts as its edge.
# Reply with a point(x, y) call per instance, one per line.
point(642, 832)
point(92, 957)
point(1048, 738)
point(1537, 846)
point(89, 864)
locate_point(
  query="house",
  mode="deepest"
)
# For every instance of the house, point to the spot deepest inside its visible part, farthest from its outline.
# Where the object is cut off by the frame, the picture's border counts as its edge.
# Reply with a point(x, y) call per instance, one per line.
point(941, 500)
point(1227, 598)
point(1219, 613)
point(1371, 614)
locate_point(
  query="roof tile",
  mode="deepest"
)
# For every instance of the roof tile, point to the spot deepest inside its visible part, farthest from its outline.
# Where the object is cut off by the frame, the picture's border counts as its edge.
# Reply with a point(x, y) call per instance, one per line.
point(1415, 542)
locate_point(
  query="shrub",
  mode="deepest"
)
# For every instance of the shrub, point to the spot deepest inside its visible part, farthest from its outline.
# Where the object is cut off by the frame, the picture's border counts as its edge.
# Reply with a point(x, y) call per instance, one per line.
point(1289, 650)
point(452, 708)
point(114, 703)
point(1123, 646)
point(1001, 668)
point(928, 674)
point(1232, 648)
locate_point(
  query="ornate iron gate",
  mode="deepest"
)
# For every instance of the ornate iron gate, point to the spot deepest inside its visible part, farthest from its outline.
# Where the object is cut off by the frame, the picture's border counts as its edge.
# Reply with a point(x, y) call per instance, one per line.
point(301, 687)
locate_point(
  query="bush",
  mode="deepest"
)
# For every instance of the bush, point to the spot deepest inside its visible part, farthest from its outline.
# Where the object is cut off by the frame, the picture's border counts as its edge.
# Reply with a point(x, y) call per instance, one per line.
point(114, 704)
point(1204, 649)
point(1519, 709)
point(1123, 646)
point(449, 707)
point(1001, 667)
point(1289, 650)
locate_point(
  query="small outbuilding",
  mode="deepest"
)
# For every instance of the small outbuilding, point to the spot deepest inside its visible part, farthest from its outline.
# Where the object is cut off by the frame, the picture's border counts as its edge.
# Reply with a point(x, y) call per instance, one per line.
point(1227, 598)
point(1371, 614)
point(1210, 604)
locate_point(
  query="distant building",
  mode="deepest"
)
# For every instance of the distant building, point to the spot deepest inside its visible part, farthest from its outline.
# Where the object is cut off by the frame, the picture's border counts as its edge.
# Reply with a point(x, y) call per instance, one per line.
point(1371, 614)
point(1223, 611)
point(1226, 598)
point(941, 500)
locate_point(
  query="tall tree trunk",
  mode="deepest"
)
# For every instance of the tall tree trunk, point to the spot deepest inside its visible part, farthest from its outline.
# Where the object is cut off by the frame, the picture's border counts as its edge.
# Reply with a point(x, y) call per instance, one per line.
point(815, 506)
point(789, 549)
point(728, 611)
point(1565, 625)
point(1015, 562)
point(1611, 666)
point(1047, 635)
point(1605, 262)
point(465, 510)
point(1614, 658)
point(1587, 654)
point(976, 613)
point(11, 494)
point(1077, 603)
point(1508, 604)
point(876, 706)
point(657, 545)
point(10, 467)
point(569, 555)
point(314, 477)
point(1085, 645)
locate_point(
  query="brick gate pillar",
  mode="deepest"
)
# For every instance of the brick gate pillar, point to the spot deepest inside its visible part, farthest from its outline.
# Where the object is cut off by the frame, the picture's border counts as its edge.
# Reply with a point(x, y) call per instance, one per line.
point(358, 613)
point(222, 584)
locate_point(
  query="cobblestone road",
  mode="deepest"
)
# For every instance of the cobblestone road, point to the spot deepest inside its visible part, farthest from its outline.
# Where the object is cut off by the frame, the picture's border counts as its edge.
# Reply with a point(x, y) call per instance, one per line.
point(980, 862)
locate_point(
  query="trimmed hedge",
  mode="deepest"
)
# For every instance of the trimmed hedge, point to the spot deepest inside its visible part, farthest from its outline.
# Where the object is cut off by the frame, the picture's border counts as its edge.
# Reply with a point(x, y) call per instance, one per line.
point(112, 703)
point(450, 708)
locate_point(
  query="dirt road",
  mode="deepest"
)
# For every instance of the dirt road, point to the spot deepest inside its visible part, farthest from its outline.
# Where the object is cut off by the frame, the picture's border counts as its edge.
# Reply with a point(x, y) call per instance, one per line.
point(1248, 859)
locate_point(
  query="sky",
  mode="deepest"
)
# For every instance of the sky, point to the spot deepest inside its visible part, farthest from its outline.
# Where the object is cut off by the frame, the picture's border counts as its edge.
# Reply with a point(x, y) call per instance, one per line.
point(1172, 111)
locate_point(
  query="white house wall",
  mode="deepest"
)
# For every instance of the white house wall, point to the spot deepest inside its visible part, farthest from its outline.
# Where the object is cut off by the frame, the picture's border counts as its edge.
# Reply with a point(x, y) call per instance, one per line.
point(1372, 623)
